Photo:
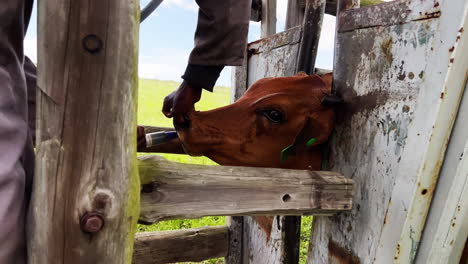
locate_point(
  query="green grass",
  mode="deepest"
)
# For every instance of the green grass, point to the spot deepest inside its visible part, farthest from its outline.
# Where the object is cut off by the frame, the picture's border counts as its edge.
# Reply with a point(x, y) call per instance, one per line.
point(151, 94)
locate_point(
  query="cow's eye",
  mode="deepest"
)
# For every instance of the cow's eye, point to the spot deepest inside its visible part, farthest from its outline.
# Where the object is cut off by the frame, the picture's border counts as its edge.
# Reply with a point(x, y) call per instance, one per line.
point(274, 115)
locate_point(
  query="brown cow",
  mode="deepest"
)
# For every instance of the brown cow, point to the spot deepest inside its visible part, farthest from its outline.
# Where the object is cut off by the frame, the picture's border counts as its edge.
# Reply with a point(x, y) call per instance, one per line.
point(273, 114)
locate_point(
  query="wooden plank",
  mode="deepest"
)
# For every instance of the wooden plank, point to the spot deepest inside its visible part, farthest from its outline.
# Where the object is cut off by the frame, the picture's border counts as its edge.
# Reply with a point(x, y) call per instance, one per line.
point(235, 225)
point(445, 232)
point(394, 146)
point(256, 11)
point(178, 191)
point(295, 13)
point(196, 244)
point(268, 25)
point(239, 80)
point(86, 133)
point(274, 56)
point(451, 230)
point(311, 30)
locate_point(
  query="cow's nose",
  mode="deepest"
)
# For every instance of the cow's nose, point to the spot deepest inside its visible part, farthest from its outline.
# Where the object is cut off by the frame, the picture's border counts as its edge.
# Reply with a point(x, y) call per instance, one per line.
point(182, 122)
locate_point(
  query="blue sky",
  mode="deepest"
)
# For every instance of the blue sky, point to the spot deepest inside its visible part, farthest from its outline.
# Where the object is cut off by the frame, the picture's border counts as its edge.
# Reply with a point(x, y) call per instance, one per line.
point(166, 39)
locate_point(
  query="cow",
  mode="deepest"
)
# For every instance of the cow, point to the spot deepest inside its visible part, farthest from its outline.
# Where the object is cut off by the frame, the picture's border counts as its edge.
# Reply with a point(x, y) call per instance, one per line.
point(278, 123)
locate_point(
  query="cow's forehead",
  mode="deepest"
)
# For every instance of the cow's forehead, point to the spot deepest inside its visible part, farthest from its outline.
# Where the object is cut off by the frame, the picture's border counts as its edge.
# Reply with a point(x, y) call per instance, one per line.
point(295, 85)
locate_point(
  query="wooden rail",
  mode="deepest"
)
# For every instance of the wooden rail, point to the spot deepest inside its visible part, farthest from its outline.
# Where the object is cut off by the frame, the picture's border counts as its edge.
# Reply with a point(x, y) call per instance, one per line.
point(196, 244)
point(178, 191)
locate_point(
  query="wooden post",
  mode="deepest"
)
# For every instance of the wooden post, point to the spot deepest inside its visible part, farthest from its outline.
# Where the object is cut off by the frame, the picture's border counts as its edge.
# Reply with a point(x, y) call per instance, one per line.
point(86, 138)
point(295, 13)
point(268, 25)
point(311, 29)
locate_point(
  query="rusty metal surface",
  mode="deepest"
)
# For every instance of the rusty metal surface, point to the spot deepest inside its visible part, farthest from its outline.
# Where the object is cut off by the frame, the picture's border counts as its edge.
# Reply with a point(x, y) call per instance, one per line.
point(387, 14)
point(390, 70)
point(274, 56)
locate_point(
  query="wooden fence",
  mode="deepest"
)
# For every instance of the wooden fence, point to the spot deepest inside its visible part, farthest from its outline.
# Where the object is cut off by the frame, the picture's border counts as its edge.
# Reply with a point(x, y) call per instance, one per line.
point(398, 72)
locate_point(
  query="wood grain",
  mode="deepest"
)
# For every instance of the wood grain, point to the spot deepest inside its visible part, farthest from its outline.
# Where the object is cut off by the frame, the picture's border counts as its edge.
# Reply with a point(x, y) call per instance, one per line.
point(268, 23)
point(178, 191)
point(196, 244)
point(86, 138)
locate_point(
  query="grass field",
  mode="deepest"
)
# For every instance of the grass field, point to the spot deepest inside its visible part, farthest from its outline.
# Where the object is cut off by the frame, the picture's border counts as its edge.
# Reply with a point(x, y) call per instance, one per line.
point(150, 98)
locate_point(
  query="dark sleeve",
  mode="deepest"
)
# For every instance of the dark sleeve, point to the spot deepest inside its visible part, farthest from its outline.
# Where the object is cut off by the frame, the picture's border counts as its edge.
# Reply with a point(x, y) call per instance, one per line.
point(221, 34)
point(202, 76)
point(31, 75)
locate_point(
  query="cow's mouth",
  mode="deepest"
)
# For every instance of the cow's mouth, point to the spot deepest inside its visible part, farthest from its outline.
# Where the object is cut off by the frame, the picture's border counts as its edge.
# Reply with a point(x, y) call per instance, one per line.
point(182, 126)
point(182, 123)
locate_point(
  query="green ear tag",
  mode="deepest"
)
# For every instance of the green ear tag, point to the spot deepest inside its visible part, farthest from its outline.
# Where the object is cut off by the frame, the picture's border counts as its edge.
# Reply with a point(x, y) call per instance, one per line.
point(310, 142)
point(285, 153)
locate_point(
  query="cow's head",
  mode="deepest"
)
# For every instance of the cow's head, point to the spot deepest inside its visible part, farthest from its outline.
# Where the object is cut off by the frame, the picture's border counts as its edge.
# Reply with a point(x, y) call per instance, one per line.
point(273, 114)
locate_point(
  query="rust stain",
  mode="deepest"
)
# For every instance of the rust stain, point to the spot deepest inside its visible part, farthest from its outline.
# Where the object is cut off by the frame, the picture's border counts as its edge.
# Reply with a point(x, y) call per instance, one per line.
point(427, 15)
point(386, 48)
point(442, 95)
point(452, 49)
point(424, 191)
point(265, 223)
point(451, 60)
point(401, 76)
point(340, 255)
point(251, 52)
point(461, 30)
point(421, 75)
point(436, 4)
point(397, 252)
point(411, 75)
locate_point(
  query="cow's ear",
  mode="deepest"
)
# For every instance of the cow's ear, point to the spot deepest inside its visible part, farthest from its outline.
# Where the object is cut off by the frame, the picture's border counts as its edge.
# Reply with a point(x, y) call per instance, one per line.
point(315, 130)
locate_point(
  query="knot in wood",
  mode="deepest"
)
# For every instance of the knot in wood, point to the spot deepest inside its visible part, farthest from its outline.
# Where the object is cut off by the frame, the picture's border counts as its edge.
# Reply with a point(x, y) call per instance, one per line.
point(91, 222)
point(92, 43)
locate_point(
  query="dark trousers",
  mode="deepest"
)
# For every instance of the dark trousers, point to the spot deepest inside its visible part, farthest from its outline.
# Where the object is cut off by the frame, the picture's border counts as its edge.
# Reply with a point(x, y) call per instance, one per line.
point(16, 148)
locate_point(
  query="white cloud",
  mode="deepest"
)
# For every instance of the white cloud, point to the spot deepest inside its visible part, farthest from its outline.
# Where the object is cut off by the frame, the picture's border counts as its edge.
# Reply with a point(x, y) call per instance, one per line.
point(163, 64)
point(185, 4)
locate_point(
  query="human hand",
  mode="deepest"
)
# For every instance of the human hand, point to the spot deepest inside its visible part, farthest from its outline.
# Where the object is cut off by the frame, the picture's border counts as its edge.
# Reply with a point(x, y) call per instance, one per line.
point(181, 101)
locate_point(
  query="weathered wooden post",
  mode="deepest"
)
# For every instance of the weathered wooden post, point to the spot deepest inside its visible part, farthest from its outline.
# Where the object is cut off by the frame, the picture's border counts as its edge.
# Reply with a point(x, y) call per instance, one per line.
point(86, 189)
